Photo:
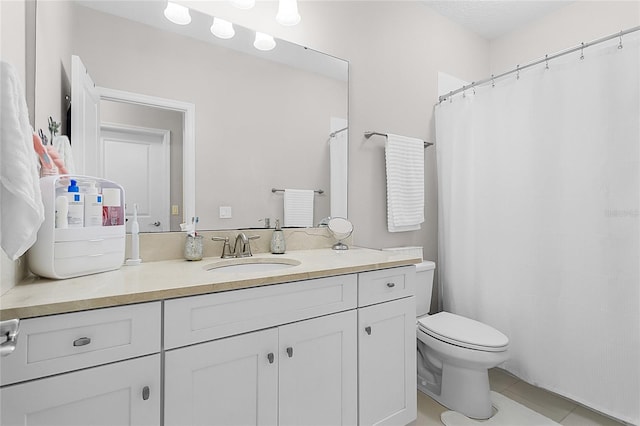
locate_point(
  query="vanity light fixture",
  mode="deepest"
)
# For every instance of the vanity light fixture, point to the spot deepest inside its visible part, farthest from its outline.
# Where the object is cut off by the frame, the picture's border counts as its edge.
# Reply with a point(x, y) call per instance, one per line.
point(264, 41)
point(243, 4)
point(222, 29)
point(177, 13)
point(288, 13)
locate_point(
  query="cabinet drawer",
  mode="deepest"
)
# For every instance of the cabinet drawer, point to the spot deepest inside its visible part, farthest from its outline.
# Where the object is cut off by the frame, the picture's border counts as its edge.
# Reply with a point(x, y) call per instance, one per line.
point(200, 318)
point(386, 284)
point(59, 343)
point(95, 247)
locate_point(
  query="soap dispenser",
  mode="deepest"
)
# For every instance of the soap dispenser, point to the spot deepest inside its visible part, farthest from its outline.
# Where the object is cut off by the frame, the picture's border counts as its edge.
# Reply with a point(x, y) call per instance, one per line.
point(278, 245)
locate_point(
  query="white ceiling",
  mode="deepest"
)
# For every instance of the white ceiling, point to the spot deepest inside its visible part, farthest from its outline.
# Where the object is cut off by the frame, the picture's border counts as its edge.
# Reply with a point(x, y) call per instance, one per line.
point(491, 19)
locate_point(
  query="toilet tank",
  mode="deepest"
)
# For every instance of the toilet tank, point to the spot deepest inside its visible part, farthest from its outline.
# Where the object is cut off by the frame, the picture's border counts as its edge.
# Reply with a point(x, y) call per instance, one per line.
point(424, 286)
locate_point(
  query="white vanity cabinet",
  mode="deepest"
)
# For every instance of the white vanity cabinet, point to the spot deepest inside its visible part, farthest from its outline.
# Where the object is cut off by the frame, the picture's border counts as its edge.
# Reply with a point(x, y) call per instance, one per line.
point(387, 347)
point(98, 367)
point(302, 369)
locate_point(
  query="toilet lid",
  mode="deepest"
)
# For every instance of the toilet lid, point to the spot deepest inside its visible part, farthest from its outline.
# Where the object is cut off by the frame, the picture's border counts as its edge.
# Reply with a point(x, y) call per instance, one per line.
point(463, 332)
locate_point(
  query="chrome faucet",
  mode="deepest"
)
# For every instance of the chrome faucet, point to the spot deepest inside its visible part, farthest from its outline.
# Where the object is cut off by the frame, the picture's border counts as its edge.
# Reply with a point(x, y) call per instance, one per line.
point(242, 247)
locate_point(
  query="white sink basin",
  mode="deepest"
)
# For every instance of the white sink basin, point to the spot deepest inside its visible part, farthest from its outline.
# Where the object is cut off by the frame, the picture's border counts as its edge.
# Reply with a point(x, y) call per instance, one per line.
point(248, 264)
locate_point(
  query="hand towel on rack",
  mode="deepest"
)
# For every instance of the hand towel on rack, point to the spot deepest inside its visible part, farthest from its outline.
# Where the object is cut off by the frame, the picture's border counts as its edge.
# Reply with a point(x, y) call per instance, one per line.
point(404, 158)
point(298, 207)
point(22, 211)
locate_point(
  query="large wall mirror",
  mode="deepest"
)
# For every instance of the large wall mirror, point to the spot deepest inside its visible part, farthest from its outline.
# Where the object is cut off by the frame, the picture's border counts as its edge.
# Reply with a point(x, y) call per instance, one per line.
point(259, 119)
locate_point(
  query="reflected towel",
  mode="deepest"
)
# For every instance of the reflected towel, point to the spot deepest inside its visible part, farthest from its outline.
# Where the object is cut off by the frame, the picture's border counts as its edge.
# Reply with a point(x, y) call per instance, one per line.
point(21, 211)
point(63, 146)
point(405, 183)
point(298, 208)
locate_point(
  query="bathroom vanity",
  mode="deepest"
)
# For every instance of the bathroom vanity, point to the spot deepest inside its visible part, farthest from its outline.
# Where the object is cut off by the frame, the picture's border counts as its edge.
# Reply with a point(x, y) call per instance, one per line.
point(328, 341)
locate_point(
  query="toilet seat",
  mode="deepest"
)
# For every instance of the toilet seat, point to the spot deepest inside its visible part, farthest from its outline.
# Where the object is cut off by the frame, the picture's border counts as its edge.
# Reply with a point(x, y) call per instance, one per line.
point(464, 332)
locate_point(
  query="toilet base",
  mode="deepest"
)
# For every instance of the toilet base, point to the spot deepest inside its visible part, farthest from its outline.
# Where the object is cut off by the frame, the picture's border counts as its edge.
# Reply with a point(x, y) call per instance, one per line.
point(464, 390)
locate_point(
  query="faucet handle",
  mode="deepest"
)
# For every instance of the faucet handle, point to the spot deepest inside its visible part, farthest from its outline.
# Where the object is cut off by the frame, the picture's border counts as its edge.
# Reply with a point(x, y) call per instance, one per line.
point(253, 237)
point(226, 248)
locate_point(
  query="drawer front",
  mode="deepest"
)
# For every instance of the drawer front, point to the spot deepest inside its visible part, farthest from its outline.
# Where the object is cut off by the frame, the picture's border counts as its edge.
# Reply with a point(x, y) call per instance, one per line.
point(60, 343)
point(386, 284)
point(200, 318)
point(94, 247)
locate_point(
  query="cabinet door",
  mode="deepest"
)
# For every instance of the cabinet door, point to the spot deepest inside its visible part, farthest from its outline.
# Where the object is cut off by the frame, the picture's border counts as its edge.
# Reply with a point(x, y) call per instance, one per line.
point(123, 393)
point(318, 371)
point(387, 363)
point(231, 381)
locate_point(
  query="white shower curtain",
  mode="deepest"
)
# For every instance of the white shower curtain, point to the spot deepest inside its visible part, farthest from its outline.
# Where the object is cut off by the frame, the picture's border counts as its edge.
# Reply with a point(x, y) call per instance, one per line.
point(539, 210)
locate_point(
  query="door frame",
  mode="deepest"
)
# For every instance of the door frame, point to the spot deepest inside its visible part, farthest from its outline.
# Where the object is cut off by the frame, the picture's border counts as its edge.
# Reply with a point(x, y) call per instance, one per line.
point(133, 130)
point(188, 137)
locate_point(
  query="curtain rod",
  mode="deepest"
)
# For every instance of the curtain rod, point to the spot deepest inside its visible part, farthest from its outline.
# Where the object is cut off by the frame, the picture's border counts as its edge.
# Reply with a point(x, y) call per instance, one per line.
point(369, 134)
point(547, 58)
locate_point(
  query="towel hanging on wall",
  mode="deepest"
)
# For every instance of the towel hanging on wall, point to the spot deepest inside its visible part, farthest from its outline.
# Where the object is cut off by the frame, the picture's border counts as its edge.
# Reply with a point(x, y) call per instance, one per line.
point(298, 207)
point(404, 158)
point(22, 210)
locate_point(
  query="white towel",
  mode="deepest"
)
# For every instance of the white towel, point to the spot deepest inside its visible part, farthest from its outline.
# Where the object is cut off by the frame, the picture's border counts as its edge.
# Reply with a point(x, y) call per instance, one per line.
point(63, 146)
point(405, 183)
point(338, 164)
point(298, 208)
point(21, 211)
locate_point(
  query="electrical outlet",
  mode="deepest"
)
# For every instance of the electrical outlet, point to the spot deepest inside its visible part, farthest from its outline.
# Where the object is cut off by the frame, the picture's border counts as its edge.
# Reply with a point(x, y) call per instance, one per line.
point(225, 212)
point(174, 209)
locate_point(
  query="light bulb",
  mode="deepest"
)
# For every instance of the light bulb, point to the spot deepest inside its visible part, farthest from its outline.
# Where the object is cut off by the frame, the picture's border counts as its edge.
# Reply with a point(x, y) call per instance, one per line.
point(222, 29)
point(288, 12)
point(177, 14)
point(264, 41)
point(243, 4)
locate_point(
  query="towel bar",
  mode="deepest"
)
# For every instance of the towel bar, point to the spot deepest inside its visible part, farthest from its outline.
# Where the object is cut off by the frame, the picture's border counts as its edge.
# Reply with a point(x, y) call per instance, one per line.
point(369, 134)
point(319, 191)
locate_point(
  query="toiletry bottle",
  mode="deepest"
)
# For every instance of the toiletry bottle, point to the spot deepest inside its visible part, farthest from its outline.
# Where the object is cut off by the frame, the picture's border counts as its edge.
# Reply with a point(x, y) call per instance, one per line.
point(62, 211)
point(135, 239)
point(75, 211)
point(278, 245)
point(92, 206)
point(112, 213)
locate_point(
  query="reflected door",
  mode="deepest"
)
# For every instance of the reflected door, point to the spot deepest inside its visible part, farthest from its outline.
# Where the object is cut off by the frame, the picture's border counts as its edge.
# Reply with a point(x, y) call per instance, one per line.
point(138, 159)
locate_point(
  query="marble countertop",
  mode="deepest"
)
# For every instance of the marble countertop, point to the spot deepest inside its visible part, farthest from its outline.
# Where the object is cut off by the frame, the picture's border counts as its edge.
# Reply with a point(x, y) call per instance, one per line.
point(177, 278)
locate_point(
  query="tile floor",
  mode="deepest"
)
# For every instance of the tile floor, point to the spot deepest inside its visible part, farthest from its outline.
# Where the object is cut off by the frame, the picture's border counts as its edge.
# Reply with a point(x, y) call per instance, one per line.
point(555, 407)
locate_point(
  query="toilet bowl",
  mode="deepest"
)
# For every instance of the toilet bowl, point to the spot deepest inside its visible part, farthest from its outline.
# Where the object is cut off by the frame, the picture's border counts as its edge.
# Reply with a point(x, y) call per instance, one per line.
point(454, 354)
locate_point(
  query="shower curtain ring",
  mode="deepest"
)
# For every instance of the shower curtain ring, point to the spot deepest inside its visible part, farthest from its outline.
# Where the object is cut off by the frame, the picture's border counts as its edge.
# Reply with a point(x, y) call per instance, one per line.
point(473, 86)
point(546, 62)
point(451, 96)
point(493, 81)
point(620, 44)
point(582, 51)
point(518, 72)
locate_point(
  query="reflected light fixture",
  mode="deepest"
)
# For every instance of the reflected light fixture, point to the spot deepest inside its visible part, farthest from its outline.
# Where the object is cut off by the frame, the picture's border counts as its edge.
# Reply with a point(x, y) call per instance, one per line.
point(243, 4)
point(222, 29)
point(177, 14)
point(264, 41)
point(288, 12)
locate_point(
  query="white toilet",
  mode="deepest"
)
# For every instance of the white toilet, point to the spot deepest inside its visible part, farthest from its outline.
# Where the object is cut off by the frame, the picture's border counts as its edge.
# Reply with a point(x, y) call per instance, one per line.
point(454, 353)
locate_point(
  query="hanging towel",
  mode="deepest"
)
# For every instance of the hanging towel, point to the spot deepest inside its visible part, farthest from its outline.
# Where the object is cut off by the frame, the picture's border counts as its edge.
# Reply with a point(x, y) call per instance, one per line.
point(63, 146)
point(21, 211)
point(405, 183)
point(298, 208)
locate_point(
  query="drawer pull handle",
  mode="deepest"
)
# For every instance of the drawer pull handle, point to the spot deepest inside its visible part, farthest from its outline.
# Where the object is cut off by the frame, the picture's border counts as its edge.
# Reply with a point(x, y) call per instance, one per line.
point(83, 341)
point(368, 330)
point(290, 352)
point(270, 357)
point(391, 285)
point(145, 393)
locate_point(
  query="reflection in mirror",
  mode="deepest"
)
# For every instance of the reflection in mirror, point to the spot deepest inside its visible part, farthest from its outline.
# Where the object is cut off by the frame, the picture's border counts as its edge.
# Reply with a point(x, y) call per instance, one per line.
point(261, 120)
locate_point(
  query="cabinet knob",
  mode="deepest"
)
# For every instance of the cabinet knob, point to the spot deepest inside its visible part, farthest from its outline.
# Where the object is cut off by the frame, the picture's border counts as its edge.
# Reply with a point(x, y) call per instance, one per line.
point(145, 393)
point(270, 357)
point(83, 341)
point(391, 285)
point(368, 330)
point(290, 352)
